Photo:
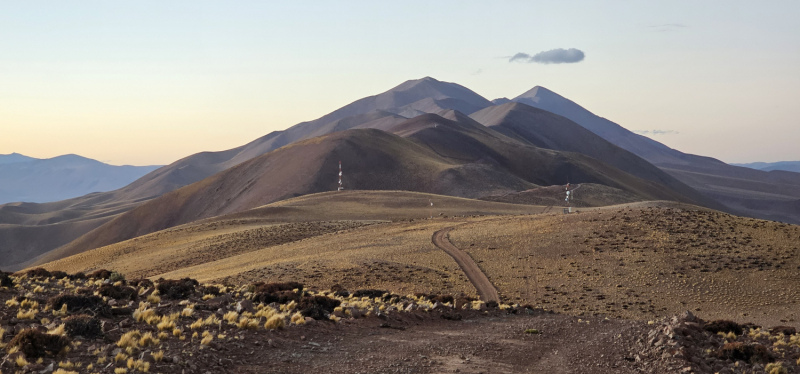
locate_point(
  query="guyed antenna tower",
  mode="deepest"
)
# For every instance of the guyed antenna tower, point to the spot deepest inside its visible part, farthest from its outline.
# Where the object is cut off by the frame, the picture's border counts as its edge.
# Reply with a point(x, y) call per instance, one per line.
point(340, 177)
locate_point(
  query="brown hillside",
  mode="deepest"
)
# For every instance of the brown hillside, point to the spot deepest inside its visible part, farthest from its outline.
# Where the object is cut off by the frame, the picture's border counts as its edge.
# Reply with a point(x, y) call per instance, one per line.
point(275, 224)
point(547, 130)
point(459, 159)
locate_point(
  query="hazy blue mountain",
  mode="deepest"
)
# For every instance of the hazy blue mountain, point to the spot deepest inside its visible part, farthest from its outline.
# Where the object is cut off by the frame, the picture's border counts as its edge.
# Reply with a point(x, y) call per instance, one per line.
point(14, 157)
point(28, 179)
point(770, 166)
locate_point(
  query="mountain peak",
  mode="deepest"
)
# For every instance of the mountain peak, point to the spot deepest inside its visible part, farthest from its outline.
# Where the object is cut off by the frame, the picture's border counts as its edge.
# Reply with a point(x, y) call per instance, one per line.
point(537, 92)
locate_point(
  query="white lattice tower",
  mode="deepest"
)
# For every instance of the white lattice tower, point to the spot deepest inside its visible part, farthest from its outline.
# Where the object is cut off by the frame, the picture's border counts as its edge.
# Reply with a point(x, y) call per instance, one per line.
point(340, 177)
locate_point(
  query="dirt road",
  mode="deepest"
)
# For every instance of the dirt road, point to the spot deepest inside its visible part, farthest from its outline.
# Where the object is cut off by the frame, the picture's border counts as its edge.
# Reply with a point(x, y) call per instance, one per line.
point(470, 268)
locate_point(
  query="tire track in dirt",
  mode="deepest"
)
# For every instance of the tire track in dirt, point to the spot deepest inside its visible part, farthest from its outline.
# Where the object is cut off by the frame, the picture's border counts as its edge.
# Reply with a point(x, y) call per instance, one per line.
point(478, 279)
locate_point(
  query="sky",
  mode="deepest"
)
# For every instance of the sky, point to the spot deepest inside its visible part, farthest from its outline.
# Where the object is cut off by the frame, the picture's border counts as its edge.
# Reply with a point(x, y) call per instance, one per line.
point(150, 82)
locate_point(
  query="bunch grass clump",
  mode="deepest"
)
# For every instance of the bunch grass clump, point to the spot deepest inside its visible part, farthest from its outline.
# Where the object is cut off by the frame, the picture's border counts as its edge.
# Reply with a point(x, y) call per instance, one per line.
point(275, 322)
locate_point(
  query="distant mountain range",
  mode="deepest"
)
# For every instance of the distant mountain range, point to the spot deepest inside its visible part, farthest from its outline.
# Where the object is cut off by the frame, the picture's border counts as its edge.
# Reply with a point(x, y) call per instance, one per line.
point(793, 166)
point(29, 179)
point(422, 135)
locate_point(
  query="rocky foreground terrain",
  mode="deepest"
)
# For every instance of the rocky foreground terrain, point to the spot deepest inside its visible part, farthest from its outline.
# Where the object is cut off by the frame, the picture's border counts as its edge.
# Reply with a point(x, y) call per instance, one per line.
point(53, 322)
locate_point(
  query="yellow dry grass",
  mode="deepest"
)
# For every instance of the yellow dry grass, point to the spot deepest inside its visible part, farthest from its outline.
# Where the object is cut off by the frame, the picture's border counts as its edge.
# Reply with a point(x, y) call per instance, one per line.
point(642, 263)
point(272, 225)
point(398, 257)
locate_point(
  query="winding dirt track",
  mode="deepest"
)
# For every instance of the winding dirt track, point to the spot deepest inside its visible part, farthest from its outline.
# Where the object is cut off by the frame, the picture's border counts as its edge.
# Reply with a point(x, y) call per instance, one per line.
point(470, 268)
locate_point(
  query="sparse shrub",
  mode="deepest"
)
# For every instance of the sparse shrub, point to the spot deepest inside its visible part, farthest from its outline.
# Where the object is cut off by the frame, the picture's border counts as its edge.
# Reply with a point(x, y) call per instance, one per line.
point(64, 371)
point(276, 287)
point(144, 283)
point(118, 292)
point(280, 297)
point(5, 280)
point(726, 326)
point(116, 277)
point(38, 273)
point(785, 330)
point(176, 289)
point(754, 353)
point(83, 325)
point(153, 299)
point(58, 274)
point(317, 307)
point(211, 290)
point(340, 291)
point(35, 344)
point(84, 291)
point(451, 316)
point(491, 304)
point(441, 298)
point(78, 275)
point(100, 274)
point(370, 293)
point(77, 303)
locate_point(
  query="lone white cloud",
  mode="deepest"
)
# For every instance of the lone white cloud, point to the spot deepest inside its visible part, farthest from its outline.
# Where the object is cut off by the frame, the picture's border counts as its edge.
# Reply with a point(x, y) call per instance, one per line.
point(656, 132)
point(553, 56)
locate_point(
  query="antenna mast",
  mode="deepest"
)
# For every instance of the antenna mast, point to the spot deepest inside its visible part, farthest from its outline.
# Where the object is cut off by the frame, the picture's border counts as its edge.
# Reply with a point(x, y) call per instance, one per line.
point(340, 177)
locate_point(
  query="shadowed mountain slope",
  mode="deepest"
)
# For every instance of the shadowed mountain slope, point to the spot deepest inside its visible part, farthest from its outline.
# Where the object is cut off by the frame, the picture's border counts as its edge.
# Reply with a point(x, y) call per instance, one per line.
point(433, 154)
point(547, 130)
point(769, 195)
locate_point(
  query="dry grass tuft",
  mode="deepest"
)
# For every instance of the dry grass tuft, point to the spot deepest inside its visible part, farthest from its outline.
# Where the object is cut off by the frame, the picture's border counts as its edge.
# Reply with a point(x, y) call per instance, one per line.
point(298, 319)
point(129, 339)
point(274, 322)
point(138, 365)
point(158, 356)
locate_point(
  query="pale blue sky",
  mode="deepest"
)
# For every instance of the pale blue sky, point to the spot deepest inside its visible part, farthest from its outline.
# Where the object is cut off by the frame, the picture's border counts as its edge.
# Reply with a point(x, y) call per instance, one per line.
point(149, 82)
